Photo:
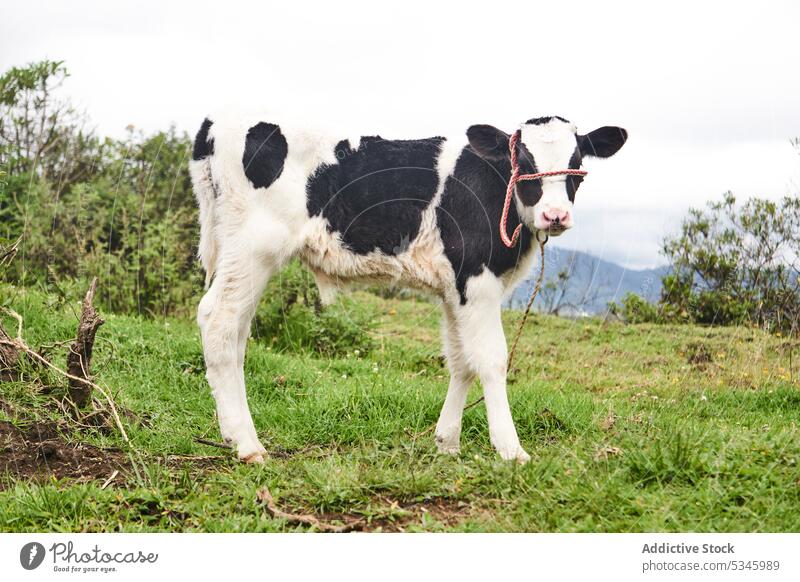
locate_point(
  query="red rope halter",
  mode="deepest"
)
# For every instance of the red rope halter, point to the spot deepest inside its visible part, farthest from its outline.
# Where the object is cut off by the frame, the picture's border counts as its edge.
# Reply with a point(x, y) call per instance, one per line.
point(517, 177)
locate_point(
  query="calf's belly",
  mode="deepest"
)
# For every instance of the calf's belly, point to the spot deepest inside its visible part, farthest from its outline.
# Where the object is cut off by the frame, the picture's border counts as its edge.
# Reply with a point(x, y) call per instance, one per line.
point(421, 265)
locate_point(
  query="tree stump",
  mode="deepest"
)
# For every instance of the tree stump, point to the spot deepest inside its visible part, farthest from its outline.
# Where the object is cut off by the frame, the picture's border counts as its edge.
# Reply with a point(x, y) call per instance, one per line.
point(80, 352)
point(9, 355)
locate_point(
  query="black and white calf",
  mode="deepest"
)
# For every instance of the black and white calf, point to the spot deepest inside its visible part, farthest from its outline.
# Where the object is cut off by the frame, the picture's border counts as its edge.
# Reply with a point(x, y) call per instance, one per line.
point(424, 213)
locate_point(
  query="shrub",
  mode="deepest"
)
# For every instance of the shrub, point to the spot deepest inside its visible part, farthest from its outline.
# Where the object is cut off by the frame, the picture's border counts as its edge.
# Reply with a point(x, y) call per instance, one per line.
point(291, 317)
point(734, 264)
point(634, 309)
point(82, 206)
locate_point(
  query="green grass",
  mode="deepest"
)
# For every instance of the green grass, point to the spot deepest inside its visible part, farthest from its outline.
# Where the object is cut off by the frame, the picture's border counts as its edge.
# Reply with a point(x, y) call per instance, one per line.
point(625, 434)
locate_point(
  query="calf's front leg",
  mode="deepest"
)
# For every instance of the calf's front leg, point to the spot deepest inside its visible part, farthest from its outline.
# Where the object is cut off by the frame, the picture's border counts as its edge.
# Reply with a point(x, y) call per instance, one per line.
point(448, 428)
point(484, 350)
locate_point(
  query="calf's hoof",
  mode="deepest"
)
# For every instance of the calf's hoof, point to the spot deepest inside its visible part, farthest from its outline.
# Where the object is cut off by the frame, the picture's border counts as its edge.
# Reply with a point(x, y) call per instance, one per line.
point(253, 459)
point(517, 454)
point(447, 444)
point(446, 449)
point(251, 452)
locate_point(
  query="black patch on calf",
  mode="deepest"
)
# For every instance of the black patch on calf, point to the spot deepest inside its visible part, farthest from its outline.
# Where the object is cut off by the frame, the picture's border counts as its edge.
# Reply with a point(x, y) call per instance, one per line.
point(492, 145)
point(203, 147)
point(342, 149)
point(374, 196)
point(543, 120)
point(529, 191)
point(469, 217)
point(265, 152)
point(574, 182)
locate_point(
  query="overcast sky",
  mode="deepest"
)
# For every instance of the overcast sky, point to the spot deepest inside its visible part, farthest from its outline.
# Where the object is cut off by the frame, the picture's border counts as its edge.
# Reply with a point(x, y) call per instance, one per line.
point(709, 92)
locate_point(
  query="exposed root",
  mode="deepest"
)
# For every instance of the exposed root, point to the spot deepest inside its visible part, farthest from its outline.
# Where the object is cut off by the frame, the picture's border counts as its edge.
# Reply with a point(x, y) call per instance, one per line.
point(264, 496)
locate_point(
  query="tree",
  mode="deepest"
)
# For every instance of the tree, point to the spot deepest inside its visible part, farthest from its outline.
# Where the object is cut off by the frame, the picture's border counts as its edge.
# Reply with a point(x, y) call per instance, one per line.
point(41, 133)
point(81, 207)
point(736, 264)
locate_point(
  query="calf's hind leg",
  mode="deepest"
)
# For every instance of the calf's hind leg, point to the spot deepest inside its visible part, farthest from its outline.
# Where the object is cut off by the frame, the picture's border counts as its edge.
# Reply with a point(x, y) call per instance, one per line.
point(224, 316)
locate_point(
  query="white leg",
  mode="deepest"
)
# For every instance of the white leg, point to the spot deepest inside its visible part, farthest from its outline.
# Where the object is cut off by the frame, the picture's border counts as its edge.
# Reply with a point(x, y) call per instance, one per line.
point(224, 316)
point(448, 428)
point(485, 351)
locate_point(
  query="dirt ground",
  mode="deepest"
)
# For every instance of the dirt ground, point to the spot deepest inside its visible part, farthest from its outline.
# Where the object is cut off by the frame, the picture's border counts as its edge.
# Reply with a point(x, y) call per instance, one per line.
point(446, 511)
point(39, 451)
point(398, 515)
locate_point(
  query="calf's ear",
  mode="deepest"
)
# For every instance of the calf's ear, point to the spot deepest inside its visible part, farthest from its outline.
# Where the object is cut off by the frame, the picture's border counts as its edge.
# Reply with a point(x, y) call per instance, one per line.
point(603, 142)
point(488, 141)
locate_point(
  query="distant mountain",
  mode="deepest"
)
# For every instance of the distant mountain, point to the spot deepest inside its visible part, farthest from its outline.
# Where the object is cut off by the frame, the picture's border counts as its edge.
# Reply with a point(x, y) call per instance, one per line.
point(577, 283)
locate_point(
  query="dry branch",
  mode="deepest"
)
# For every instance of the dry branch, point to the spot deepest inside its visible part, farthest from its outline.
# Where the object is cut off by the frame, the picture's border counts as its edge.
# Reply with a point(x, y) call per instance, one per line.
point(9, 351)
point(264, 496)
point(80, 352)
point(22, 346)
point(19, 346)
point(110, 479)
point(8, 253)
point(211, 443)
point(9, 356)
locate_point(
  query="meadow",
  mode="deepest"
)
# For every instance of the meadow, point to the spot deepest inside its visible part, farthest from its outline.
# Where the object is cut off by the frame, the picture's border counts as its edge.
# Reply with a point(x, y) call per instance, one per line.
point(630, 428)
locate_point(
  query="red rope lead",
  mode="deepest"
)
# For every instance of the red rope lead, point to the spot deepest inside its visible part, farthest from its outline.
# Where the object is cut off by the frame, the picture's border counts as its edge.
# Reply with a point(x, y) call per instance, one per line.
point(517, 177)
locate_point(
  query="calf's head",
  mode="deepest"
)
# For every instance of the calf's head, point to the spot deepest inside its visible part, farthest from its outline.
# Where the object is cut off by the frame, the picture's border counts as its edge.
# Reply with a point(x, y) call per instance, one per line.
point(547, 144)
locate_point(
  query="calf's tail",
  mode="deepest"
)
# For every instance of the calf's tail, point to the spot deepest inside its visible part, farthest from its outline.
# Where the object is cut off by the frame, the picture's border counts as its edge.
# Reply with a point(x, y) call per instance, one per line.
point(206, 194)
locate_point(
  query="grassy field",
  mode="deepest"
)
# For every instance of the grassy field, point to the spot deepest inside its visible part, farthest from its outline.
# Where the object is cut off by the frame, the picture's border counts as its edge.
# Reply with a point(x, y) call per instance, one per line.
point(630, 428)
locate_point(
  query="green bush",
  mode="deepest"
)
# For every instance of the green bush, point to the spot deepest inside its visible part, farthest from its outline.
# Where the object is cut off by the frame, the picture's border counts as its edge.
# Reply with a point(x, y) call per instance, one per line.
point(138, 238)
point(634, 309)
point(82, 206)
point(290, 317)
point(734, 264)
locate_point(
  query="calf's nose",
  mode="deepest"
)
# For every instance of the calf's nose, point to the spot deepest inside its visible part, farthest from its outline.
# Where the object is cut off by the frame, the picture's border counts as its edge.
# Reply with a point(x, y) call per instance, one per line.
point(556, 215)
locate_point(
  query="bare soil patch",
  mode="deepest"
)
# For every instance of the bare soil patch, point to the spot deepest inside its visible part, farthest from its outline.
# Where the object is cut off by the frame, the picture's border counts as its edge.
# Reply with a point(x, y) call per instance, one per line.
point(448, 512)
point(393, 516)
point(39, 451)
